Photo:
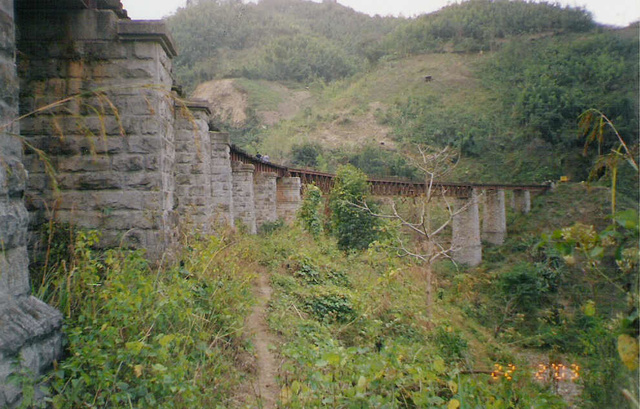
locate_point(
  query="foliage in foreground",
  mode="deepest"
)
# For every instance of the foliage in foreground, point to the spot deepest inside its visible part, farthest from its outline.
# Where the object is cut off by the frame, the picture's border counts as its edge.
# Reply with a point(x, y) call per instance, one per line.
point(147, 338)
point(355, 334)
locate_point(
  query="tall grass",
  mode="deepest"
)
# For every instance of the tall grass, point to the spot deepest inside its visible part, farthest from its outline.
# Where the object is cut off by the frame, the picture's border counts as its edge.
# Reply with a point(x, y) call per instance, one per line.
point(143, 336)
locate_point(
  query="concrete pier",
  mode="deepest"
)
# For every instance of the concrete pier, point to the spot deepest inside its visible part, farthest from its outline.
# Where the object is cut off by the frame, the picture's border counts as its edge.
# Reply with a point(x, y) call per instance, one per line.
point(289, 198)
point(522, 201)
point(494, 220)
point(466, 231)
point(244, 211)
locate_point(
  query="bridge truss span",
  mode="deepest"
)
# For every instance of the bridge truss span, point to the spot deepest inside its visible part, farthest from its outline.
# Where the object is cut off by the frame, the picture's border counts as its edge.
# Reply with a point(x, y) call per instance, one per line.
point(379, 187)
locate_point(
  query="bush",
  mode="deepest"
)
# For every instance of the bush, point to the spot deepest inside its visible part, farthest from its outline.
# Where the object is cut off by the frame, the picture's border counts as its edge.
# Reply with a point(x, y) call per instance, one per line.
point(331, 306)
point(306, 154)
point(355, 228)
point(310, 213)
point(302, 58)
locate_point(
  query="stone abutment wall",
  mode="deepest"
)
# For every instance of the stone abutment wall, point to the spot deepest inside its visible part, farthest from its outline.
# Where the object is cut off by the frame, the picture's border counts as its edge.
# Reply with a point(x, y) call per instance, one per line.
point(29, 329)
point(113, 150)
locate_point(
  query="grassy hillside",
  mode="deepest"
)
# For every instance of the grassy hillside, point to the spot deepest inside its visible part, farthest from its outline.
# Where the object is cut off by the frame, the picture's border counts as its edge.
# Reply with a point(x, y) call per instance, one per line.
point(322, 85)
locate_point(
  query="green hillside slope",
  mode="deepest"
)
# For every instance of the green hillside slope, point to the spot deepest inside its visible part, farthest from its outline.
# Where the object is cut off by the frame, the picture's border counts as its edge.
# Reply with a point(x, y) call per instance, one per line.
point(508, 81)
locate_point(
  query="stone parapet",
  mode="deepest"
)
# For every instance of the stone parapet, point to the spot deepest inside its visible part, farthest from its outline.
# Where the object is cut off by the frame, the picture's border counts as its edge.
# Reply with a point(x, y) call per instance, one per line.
point(494, 220)
point(265, 197)
point(243, 196)
point(289, 198)
point(465, 241)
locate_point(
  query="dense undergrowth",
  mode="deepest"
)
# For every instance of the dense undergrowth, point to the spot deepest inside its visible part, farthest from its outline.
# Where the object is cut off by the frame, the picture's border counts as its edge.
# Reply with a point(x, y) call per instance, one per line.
point(355, 334)
point(352, 325)
point(145, 337)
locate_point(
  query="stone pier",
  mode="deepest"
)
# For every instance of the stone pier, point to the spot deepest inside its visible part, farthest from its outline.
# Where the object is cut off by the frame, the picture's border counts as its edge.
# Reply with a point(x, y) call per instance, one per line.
point(494, 220)
point(113, 150)
point(289, 198)
point(30, 338)
point(221, 179)
point(466, 231)
point(193, 168)
point(521, 201)
point(244, 211)
point(265, 198)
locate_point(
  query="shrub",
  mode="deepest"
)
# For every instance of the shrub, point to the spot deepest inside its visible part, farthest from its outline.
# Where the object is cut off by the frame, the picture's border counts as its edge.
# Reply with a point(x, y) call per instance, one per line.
point(310, 213)
point(331, 306)
point(354, 227)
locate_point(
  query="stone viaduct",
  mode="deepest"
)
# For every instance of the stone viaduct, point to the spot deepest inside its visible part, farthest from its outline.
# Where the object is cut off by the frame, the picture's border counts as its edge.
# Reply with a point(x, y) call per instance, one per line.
point(109, 143)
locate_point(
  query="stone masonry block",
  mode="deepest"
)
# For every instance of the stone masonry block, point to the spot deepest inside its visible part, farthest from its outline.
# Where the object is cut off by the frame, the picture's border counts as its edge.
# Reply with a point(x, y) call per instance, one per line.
point(14, 279)
point(85, 163)
point(145, 50)
point(13, 224)
point(104, 200)
point(105, 50)
point(144, 144)
point(128, 163)
point(26, 319)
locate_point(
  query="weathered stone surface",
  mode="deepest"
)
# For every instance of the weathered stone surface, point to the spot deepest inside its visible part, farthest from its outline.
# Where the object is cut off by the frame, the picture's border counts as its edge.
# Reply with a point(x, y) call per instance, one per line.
point(289, 198)
point(30, 341)
point(265, 191)
point(521, 201)
point(494, 220)
point(14, 276)
point(243, 196)
point(467, 247)
point(221, 179)
point(193, 170)
point(113, 151)
point(13, 224)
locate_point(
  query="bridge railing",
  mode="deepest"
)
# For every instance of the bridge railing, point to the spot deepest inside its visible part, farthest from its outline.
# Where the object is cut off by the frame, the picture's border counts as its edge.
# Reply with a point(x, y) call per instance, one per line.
point(379, 187)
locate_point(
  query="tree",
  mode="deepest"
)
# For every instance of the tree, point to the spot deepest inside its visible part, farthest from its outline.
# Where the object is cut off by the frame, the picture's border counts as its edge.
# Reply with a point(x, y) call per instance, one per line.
point(352, 220)
point(594, 126)
point(424, 243)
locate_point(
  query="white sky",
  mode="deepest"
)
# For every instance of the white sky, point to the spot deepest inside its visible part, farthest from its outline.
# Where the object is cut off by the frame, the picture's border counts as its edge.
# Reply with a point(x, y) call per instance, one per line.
point(612, 12)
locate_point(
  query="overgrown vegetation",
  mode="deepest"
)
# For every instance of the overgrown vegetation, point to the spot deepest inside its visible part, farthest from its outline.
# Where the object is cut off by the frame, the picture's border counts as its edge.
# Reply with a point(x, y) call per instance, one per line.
point(353, 326)
point(274, 39)
point(479, 25)
point(145, 337)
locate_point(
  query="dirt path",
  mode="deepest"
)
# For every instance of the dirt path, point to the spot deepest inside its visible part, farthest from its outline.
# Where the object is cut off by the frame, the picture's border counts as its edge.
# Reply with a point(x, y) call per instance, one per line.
point(265, 387)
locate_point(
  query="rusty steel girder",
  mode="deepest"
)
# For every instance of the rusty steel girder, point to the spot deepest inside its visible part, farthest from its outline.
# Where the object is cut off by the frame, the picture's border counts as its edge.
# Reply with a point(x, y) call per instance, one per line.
point(379, 187)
